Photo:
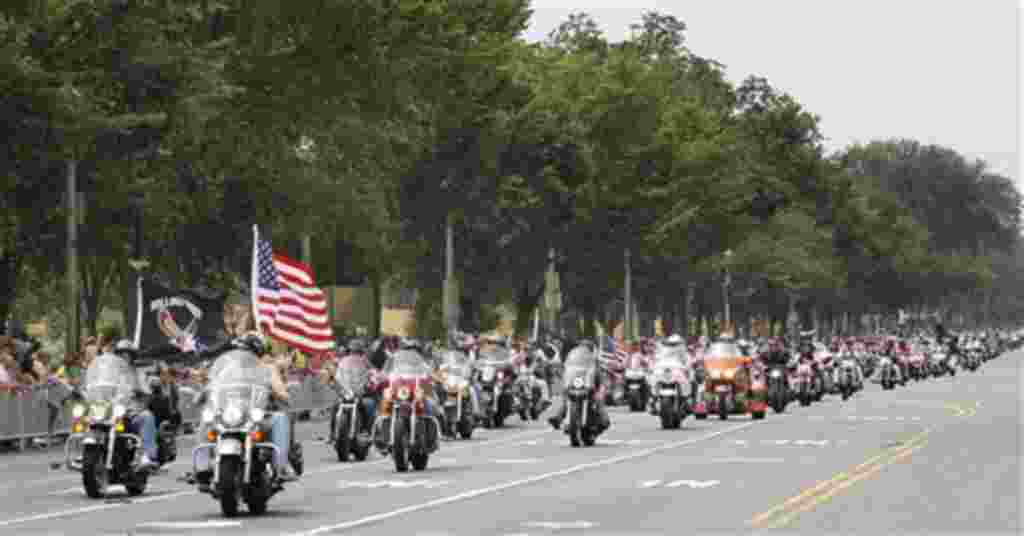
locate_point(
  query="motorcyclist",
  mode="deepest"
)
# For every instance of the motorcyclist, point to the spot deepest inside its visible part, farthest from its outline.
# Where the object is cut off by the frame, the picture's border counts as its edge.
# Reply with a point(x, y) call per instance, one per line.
point(357, 349)
point(677, 344)
point(431, 404)
point(600, 386)
point(466, 344)
point(536, 361)
point(143, 423)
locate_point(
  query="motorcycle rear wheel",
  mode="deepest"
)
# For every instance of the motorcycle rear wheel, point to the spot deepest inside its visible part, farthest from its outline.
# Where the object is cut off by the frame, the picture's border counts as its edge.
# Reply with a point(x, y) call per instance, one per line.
point(138, 486)
point(419, 461)
point(465, 429)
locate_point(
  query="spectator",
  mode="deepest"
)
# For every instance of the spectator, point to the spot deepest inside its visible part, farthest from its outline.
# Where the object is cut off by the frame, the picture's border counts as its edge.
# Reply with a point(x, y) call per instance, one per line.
point(8, 363)
point(71, 372)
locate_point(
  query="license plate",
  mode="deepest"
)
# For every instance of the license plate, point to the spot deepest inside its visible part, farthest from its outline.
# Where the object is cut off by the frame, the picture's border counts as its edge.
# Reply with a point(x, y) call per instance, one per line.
point(229, 447)
point(668, 392)
point(722, 389)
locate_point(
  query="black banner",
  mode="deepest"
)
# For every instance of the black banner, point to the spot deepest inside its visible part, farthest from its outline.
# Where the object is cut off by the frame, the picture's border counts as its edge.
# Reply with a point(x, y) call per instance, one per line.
point(187, 319)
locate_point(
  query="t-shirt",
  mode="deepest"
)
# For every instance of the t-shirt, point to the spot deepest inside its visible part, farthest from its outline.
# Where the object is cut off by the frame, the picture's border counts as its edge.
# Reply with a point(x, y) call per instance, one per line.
point(5, 376)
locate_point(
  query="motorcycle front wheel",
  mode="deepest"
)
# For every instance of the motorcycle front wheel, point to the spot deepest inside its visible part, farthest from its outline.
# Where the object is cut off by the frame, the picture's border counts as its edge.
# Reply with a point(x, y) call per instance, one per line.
point(94, 473)
point(342, 441)
point(230, 476)
point(400, 447)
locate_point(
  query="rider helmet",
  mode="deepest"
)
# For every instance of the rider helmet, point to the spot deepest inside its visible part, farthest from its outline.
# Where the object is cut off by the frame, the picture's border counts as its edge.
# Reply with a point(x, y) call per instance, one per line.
point(409, 343)
point(126, 348)
point(252, 342)
point(673, 340)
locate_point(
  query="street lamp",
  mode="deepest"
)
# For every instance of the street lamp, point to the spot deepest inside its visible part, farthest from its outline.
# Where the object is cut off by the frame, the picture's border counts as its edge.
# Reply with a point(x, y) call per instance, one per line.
point(726, 283)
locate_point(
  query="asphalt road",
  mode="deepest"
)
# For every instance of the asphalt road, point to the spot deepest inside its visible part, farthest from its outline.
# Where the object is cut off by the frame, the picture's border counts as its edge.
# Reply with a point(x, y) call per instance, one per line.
point(937, 456)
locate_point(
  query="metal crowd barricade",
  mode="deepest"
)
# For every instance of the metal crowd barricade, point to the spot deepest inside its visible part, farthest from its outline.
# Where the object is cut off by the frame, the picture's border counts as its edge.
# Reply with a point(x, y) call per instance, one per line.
point(25, 411)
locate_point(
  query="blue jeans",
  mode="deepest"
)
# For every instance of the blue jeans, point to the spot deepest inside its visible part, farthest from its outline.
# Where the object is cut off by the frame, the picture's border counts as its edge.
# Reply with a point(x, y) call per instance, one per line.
point(144, 424)
point(280, 436)
point(370, 407)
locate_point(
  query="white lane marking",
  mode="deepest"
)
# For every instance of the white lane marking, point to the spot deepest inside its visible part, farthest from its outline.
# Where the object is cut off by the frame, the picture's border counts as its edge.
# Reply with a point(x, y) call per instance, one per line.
point(190, 525)
point(517, 461)
point(395, 484)
point(650, 483)
point(693, 484)
point(530, 443)
point(554, 525)
point(91, 509)
point(745, 460)
point(521, 482)
point(146, 500)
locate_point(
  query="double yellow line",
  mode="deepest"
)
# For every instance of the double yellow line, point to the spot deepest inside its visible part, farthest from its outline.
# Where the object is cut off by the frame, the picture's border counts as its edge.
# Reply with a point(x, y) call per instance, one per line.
point(782, 514)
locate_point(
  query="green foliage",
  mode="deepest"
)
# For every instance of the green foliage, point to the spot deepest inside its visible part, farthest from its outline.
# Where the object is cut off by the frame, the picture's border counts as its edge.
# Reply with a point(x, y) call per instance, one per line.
point(374, 122)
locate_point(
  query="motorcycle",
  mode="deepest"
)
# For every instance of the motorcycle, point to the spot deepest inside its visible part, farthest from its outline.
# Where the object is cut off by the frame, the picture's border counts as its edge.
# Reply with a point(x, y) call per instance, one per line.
point(456, 371)
point(110, 454)
point(404, 428)
point(236, 417)
point(671, 387)
point(353, 418)
point(498, 396)
point(581, 398)
point(778, 388)
point(847, 377)
point(531, 401)
point(888, 373)
point(803, 384)
point(637, 389)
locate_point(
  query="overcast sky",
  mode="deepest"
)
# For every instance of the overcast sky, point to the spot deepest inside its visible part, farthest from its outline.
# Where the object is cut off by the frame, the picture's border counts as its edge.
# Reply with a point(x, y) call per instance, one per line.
point(939, 71)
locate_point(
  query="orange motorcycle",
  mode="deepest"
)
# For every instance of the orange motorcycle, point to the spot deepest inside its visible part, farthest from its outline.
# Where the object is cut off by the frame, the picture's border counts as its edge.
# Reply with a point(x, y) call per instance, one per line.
point(732, 386)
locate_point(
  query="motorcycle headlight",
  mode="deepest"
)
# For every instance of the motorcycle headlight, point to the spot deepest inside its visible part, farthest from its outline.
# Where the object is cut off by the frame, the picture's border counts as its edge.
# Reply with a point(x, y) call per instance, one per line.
point(257, 414)
point(578, 383)
point(730, 373)
point(119, 411)
point(404, 394)
point(776, 374)
point(78, 411)
point(99, 410)
point(233, 416)
point(716, 374)
point(208, 415)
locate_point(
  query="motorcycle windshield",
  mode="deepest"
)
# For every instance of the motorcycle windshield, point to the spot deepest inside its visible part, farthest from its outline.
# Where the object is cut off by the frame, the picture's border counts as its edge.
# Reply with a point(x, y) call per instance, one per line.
point(238, 379)
point(353, 374)
point(580, 368)
point(495, 357)
point(110, 378)
point(457, 365)
point(406, 364)
point(722, 350)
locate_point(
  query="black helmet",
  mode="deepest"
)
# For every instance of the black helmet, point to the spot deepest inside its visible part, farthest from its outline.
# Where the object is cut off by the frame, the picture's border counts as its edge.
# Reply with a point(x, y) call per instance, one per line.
point(409, 343)
point(252, 342)
point(126, 348)
point(357, 346)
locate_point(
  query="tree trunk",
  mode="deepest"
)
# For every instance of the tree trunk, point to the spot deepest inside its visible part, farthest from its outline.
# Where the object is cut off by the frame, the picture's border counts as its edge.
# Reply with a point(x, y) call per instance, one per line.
point(378, 309)
point(9, 267)
point(526, 302)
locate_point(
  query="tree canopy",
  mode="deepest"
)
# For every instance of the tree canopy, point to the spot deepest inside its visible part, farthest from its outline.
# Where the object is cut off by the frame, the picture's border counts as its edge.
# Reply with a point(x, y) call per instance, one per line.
point(370, 124)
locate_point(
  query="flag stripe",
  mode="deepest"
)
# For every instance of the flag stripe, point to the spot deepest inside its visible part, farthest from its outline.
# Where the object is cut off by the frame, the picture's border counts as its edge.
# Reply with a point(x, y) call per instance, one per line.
point(287, 302)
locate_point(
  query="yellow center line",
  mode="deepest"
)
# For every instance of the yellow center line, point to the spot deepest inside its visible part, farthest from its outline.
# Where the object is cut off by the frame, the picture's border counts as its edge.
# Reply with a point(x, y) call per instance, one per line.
point(811, 492)
point(821, 499)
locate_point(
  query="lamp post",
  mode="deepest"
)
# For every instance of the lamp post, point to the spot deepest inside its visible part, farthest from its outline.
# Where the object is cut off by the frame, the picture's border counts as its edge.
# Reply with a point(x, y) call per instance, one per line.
point(726, 283)
point(627, 332)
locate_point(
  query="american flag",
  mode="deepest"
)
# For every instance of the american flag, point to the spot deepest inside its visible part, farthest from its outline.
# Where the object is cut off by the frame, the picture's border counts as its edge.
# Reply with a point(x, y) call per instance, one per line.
point(288, 305)
point(615, 352)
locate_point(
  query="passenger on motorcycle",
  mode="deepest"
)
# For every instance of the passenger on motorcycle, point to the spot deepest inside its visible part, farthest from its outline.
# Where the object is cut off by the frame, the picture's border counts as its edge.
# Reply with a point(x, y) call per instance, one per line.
point(601, 383)
point(280, 423)
point(143, 424)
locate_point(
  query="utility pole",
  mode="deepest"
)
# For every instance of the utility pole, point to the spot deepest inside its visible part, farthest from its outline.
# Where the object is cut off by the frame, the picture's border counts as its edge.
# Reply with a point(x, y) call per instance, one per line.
point(73, 301)
point(726, 283)
point(627, 332)
point(449, 278)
